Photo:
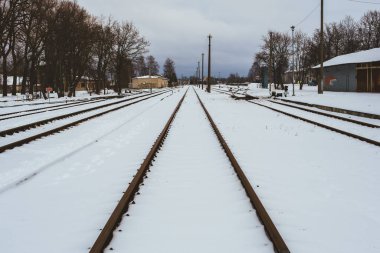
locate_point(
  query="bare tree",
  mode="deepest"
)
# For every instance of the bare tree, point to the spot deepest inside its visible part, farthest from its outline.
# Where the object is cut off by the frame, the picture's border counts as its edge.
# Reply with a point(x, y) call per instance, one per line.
point(56, 42)
point(169, 72)
point(10, 14)
point(103, 52)
point(369, 30)
point(280, 53)
point(152, 65)
point(129, 46)
point(140, 66)
point(349, 29)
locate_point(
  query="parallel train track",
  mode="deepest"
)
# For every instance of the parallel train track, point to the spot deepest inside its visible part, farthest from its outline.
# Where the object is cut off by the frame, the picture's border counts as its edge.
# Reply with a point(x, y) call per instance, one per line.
point(106, 234)
point(323, 125)
point(27, 127)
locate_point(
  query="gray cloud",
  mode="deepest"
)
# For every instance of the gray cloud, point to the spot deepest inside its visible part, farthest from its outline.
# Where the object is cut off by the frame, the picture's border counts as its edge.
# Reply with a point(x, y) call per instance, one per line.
point(179, 28)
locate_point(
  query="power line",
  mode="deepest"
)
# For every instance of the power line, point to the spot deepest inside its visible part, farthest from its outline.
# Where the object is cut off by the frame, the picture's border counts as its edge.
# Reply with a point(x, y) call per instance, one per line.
point(364, 2)
point(308, 15)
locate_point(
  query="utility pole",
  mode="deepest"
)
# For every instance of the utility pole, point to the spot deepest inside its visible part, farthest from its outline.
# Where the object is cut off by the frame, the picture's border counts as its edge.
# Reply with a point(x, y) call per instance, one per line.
point(320, 84)
point(219, 79)
point(199, 73)
point(203, 56)
point(292, 27)
point(270, 62)
point(209, 65)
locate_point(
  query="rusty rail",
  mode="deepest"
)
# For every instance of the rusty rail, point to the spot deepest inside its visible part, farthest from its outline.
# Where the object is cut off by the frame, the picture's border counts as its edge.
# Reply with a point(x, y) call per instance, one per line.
point(74, 123)
point(106, 234)
point(327, 115)
point(60, 104)
point(335, 109)
point(271, 230)
point(46, 121)
point(48, 109)
point(361, 138)
point(358, 137)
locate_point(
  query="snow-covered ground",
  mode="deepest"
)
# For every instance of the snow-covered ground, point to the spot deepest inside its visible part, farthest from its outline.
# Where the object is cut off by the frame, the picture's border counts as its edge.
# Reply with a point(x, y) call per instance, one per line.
point(366, 132)
point(75, 178)
point(19, 121)
point(192, 200)
point(356, 101)
point(21, 100)
point(57, 123)
point(342, 115)
point(320, 187)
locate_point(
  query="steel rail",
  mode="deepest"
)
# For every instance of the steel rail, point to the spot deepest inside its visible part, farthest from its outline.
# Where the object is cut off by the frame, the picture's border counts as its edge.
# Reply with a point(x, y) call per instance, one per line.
point(60, 104)
point(60, 107)
point(271, 230)
point(335, 109)
point(46, 121)
point(49, 109)
point(361, 138)
point(328, 115)
point(38, 109)
point(74, 123)
point(106, 233)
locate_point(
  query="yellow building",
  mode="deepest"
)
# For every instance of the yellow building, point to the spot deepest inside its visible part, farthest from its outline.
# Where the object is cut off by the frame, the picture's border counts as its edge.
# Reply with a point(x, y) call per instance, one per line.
point(147, 82)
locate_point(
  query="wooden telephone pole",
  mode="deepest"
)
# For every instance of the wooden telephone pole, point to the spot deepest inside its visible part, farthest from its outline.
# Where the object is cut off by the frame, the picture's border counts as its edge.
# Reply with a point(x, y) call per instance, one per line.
point(320, 83)
point(209, 64)
point(203, 56)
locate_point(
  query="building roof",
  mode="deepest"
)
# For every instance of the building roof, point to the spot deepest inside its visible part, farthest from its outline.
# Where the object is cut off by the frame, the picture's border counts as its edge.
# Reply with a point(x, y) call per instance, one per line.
point(371, 55)
point(151, 77)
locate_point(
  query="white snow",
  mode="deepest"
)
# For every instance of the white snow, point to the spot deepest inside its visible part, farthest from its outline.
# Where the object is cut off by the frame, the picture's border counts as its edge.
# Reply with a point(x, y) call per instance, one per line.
point(371, 55)
point(356, 101)
point(80, 175)
point(192, 200)
point(363, 131)
point(55, 124)
point(320, 187)
point(152, 77)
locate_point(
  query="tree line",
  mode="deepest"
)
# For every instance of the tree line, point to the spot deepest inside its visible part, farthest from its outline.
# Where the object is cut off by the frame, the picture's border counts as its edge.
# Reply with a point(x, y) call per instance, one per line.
point(344, 37)
point(56, 42)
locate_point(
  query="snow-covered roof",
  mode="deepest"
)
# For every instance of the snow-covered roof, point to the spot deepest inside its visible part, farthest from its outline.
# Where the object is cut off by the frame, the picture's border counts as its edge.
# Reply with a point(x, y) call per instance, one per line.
point(144, 77)
point(371, 55)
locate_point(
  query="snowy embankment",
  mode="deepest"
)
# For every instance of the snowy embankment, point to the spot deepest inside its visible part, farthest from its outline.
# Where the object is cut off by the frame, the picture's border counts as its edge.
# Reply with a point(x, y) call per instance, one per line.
point(355, 101)
point(20, 100)
point(76, 178)
point(320, 187)
point(362, 102)
point(192, 200)
point(56, 123)
point(366, 132)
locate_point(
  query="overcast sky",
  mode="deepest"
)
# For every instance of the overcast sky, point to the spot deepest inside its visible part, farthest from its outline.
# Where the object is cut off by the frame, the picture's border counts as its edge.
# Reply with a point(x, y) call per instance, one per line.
point(178, 28)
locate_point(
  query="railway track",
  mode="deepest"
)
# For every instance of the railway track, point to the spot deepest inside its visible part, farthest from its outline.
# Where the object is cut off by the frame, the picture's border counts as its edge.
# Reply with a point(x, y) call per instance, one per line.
point(114, 225)
point(21, 113)
point(335, 109)
point(57, 102)
point(353, 128)
point(348, 119)
point(25, 113)
point(16, 142)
